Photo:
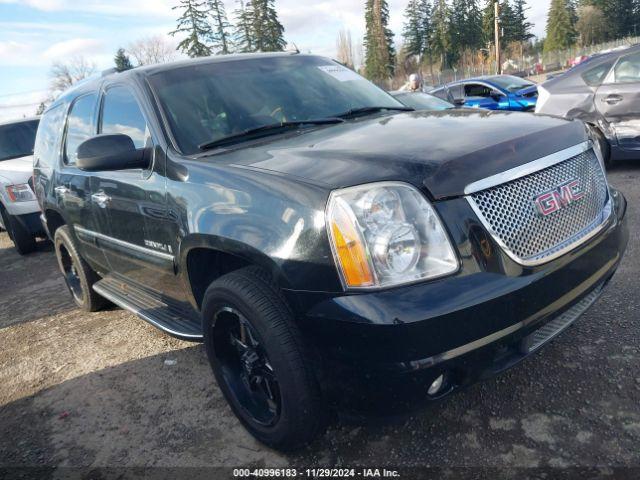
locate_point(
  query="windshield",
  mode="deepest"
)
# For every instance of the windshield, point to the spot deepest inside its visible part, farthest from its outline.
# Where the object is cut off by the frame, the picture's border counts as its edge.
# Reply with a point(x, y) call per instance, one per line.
point(423, 101)
point(208, 101)
point(17, 139)
point(511, 84)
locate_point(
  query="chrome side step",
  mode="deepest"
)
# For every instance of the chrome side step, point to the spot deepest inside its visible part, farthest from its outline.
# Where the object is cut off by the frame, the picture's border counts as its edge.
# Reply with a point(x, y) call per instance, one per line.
point(150, 306)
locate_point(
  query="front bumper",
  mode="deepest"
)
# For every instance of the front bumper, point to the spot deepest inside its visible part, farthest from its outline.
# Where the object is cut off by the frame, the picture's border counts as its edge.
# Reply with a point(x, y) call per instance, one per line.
point(21, 208)
point(31, 221)
point(393, 344)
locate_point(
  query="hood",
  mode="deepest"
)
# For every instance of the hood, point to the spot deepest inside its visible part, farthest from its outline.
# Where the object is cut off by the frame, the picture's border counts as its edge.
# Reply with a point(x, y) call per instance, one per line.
point(443, 151)
point(16, 170)
point(533, 89)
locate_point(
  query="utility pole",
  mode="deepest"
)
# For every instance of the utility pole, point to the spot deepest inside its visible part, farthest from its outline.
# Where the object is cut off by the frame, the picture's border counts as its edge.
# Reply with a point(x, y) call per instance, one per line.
point(497, 27)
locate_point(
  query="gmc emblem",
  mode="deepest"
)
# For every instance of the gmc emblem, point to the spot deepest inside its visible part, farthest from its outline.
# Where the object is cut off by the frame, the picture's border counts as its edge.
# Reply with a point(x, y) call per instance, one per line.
point(559, 198)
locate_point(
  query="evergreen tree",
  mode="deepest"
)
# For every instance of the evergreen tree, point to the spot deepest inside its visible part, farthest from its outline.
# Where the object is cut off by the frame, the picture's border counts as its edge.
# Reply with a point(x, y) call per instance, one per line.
point(378, 41)
point(623, 16)
point(522, 27)
point(244, 27)
point(514, 26)
point(488, 23)
point(417, 27)
point(122, 61)
point(508, 24)
point(194, 23)
point(413, 34)
point(466, 25)
point(440, 32)
point(220, 38)
point(561, 33)
point(267, 30)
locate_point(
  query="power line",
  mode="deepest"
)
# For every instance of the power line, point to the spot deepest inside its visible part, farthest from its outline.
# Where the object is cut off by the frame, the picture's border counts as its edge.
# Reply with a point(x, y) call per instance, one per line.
point(24, 105)
point(22, 93)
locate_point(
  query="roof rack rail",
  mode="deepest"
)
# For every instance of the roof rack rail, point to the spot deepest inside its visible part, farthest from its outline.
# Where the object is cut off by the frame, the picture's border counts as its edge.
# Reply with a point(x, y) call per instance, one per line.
point(109, 71)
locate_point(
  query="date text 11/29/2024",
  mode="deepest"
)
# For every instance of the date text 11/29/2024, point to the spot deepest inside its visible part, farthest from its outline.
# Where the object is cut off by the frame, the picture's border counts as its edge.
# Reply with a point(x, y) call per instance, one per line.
point(315, 473)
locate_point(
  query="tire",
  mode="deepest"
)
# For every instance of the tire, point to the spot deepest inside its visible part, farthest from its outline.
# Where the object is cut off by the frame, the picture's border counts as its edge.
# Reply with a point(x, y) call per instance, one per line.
point(24, 242)
point(247, 297)
point(79, 277)
point(5, 221)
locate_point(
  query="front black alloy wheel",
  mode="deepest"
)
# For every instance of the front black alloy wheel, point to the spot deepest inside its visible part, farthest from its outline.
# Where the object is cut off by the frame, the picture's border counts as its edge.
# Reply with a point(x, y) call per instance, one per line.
point(262, 365)
point(78, 275)
point(246, 367)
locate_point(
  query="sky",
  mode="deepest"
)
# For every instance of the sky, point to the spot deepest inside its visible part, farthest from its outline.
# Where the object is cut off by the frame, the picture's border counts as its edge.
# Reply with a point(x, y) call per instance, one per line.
point(36, 33)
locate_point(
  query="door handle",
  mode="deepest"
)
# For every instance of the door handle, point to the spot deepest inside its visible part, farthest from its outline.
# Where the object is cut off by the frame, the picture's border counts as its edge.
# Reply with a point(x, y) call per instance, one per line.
point(101, 199)
point(62, 191)
point(612, 99)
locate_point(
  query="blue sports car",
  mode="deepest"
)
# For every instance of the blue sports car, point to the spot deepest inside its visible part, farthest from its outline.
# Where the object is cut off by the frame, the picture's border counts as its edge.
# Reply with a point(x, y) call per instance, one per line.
point(499, 92)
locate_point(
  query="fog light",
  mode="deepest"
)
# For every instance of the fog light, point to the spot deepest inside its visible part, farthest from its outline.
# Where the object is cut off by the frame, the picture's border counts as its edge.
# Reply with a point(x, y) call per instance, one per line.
point(436, 385)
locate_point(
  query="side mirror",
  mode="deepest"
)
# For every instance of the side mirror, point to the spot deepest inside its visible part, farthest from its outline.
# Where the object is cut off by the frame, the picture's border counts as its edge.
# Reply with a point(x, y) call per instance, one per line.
point(109, 153)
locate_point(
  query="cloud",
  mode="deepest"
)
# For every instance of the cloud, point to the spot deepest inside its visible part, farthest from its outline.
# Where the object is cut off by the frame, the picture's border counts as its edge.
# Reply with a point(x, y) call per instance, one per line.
point(73, 47)
point(20, 105)
point(13, 48)
point(152, 8)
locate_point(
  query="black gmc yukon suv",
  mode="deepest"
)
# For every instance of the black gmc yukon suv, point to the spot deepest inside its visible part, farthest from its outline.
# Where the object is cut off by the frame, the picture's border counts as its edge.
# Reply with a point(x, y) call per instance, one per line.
point(329, 246)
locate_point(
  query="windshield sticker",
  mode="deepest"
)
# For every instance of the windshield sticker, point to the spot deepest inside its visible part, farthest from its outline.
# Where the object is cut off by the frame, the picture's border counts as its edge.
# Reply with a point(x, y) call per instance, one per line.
point(341, 74)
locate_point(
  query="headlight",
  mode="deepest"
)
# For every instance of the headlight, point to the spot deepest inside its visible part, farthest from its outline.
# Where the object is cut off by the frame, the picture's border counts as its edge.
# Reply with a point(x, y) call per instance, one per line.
point(387, 234)
point(20, 193)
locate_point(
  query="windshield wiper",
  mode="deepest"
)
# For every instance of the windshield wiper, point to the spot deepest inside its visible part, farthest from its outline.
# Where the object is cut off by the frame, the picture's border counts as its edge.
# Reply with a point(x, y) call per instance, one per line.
point(270, 129)
point(354, 112)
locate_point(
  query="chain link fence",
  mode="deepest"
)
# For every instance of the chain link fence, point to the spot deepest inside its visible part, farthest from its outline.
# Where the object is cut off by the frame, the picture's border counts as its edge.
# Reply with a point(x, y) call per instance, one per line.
point(517, 62)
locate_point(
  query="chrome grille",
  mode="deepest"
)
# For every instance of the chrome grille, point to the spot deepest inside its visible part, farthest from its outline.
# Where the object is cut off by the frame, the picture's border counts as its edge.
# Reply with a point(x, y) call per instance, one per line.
point(509, 212)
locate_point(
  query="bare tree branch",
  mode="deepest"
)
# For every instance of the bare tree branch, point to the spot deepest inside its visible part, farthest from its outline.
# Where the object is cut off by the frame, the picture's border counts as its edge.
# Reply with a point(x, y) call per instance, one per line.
point(150, 50)
point(344, 46)
point(63, 75)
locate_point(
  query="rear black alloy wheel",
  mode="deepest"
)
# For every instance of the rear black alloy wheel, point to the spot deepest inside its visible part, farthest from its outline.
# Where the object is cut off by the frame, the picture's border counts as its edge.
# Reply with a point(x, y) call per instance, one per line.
point(70, 273)
point(264, 368)
point(246, 367)
point(78, 275)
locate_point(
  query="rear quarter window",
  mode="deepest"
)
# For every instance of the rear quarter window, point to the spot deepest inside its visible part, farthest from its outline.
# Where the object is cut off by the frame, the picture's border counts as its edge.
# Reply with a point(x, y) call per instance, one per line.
point(596, 75)
point(48, 139)
point(80, 125)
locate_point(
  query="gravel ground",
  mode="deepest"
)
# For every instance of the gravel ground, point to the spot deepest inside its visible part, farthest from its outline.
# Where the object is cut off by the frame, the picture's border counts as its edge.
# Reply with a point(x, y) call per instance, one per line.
point(93, 390)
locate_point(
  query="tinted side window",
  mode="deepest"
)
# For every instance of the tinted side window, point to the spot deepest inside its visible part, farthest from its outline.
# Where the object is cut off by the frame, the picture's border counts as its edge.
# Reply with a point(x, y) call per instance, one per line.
point(17, 139)
point(48, 139)
point(80, 126)
point(595, 76)
point(477, 90)
point(440, 93)
point(456, 92)
point(628, 69)
point(121, 114)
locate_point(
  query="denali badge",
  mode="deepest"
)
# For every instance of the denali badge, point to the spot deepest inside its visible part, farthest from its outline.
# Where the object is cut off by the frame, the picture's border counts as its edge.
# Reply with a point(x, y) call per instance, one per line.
point(559, 198)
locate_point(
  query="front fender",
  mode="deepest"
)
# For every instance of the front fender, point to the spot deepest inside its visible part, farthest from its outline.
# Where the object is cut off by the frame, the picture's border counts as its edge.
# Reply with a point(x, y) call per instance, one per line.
point(274, 221)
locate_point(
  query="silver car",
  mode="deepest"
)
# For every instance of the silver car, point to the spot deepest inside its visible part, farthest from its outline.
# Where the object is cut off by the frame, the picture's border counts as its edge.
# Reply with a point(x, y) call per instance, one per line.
point(604, 92)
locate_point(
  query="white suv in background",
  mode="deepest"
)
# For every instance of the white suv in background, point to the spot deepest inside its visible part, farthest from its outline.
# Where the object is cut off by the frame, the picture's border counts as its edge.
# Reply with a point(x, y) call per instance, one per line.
point(19, 209)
